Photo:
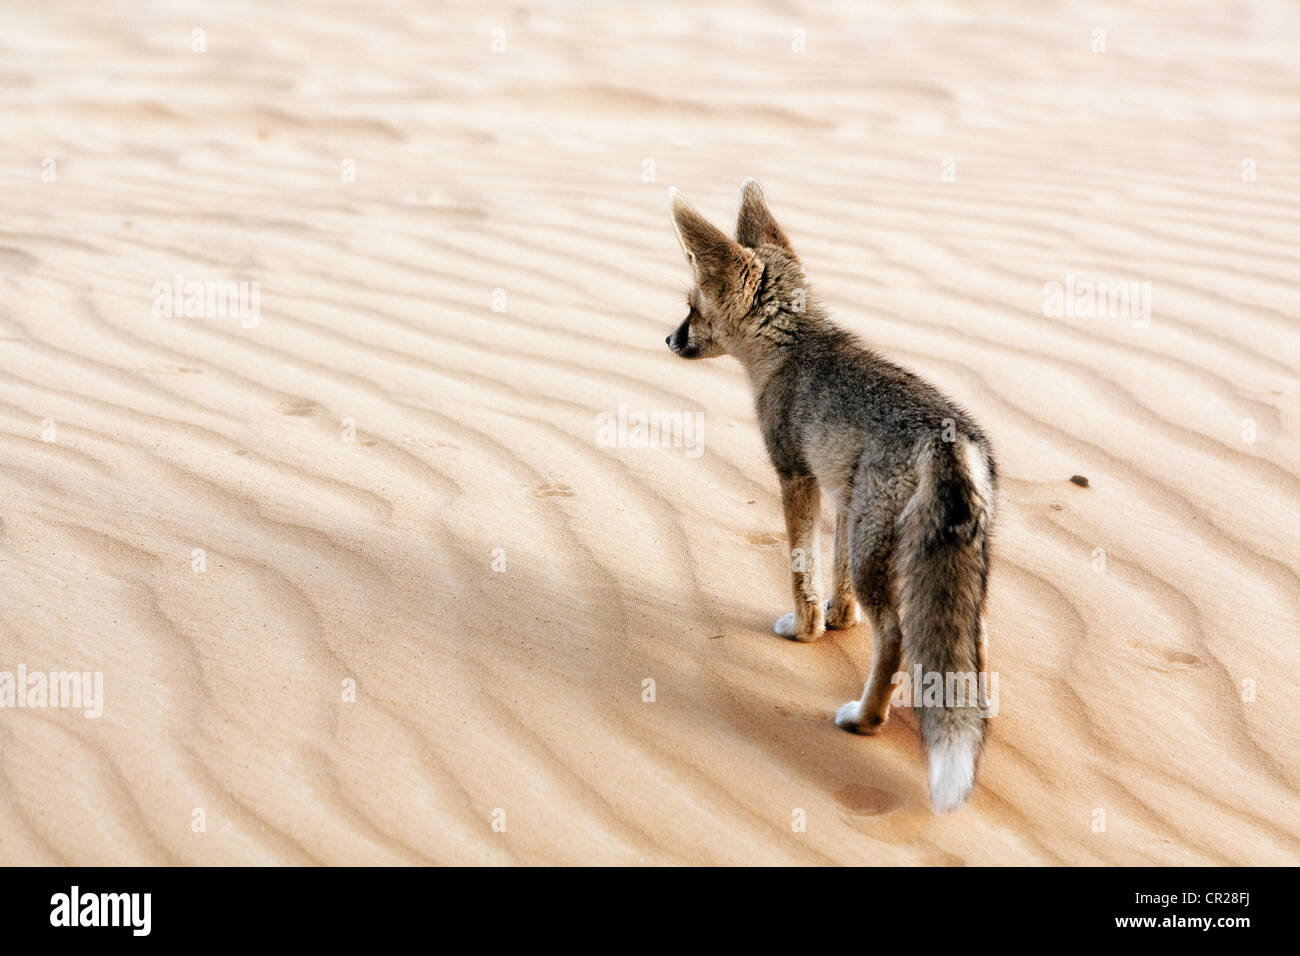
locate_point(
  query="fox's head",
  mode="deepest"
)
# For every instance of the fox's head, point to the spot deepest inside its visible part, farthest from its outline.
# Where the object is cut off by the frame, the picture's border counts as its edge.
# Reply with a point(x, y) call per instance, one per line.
point(748, 292)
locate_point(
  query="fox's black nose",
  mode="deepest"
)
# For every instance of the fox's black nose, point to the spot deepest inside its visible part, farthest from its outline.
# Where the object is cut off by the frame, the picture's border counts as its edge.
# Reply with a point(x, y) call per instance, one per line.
point(668, 339)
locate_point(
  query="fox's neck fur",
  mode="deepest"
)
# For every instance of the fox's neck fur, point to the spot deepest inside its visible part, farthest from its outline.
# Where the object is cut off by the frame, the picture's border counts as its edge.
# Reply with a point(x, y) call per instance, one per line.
point(783, 318)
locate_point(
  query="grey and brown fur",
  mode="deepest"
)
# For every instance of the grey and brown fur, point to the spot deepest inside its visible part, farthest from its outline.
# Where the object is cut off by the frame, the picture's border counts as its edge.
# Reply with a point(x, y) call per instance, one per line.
point(910, 475)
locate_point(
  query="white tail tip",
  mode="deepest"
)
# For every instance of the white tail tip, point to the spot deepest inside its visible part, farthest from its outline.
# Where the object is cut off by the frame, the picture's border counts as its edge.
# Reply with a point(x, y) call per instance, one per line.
point(952, 774)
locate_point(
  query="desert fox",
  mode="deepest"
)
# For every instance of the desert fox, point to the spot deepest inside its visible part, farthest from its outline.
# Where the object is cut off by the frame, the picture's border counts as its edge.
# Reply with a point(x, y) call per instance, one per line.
point(911, 476)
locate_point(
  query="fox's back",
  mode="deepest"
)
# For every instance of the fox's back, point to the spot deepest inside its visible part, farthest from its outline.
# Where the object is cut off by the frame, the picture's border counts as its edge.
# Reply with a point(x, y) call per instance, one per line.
point(833, 404)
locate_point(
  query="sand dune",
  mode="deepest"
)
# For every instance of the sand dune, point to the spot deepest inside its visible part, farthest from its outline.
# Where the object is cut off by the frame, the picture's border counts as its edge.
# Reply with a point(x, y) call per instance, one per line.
point(393, 477)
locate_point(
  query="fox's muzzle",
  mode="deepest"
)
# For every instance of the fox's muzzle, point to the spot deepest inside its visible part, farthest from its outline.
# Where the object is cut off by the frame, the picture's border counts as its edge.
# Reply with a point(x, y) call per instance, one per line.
point(680, 341)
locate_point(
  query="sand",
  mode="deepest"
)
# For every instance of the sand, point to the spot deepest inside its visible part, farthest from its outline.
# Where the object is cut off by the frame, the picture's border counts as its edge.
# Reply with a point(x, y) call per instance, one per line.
point(364, 580)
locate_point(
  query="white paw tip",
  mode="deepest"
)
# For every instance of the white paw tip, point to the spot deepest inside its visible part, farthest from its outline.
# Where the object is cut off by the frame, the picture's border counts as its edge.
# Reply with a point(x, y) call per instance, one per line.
point(849, 714)
point(784, 625)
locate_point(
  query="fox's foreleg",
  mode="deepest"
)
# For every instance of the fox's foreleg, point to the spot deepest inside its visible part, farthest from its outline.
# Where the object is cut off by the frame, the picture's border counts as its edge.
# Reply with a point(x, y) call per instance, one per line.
point(801, 498)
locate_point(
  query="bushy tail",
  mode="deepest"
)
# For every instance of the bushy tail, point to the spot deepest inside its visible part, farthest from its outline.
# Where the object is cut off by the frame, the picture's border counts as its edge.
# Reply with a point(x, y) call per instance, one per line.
point(942, 570)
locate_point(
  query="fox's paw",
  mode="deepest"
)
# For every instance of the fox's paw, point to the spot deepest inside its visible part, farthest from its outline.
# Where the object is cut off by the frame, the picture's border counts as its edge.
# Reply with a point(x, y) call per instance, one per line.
point(785, 625)
point(788, 625)
point(841, 616)
point(850, 718)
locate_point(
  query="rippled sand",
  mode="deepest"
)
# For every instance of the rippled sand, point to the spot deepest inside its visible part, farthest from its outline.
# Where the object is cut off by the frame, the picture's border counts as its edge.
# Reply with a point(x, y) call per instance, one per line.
point(500, 273)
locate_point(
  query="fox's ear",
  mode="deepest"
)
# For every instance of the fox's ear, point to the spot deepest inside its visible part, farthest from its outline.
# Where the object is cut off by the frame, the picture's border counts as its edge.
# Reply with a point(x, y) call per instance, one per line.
point(722, 266)
point(754, 223)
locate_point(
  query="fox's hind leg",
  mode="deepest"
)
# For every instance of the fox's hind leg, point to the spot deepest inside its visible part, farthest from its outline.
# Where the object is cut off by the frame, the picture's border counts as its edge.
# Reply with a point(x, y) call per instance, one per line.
point(802, 500)
point(873, 543)
point(842, 608)
point(868, 715)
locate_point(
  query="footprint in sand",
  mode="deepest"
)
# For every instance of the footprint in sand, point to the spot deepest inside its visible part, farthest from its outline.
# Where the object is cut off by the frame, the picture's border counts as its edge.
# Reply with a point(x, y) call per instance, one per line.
point(1164, 658)
point(299, 407)
point(867, 801)
point(552, 489)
